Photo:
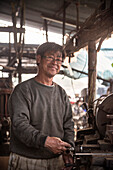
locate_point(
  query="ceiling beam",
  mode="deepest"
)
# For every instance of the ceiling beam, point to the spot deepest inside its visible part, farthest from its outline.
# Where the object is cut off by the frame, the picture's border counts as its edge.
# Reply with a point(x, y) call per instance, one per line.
point(11, 29)
point(97, 26)
point(24, 70)
point(59, 20)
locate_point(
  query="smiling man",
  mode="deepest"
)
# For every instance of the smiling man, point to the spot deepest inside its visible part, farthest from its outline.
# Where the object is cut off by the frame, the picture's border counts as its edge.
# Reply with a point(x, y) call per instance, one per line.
point(41, 117)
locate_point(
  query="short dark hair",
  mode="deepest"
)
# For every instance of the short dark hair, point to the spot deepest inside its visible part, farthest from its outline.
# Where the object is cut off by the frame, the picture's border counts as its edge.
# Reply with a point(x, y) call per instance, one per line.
point(49, 46)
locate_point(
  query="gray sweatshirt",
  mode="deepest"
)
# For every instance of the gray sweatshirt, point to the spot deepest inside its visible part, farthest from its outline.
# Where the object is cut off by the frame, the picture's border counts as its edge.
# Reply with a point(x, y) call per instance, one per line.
point(38, 111)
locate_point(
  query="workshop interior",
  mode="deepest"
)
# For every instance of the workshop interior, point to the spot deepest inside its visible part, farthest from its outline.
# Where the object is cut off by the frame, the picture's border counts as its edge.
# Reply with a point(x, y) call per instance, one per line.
point(81, 27)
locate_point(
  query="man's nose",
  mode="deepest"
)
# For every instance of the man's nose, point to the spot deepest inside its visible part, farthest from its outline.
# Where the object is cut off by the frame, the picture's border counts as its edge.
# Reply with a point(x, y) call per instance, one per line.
point(54, 61)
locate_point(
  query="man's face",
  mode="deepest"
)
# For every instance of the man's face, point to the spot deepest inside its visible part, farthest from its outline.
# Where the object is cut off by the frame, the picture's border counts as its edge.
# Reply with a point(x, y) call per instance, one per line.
point(50, 63)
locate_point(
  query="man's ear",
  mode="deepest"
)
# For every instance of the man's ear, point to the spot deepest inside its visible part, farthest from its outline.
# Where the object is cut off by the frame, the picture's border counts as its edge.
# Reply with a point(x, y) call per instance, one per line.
point(38, 59)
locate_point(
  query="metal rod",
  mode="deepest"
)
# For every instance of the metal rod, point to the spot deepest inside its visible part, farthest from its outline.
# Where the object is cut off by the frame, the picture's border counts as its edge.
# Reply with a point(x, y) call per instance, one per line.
point(94, 154)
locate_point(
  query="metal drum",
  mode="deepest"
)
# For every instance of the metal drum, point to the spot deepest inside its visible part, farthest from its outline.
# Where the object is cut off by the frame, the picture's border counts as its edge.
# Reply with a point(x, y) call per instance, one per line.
point(103, 110)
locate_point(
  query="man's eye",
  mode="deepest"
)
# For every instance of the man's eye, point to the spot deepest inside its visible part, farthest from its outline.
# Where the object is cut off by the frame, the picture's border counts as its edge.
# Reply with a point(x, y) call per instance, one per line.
point(58, 60)
point(50, 57)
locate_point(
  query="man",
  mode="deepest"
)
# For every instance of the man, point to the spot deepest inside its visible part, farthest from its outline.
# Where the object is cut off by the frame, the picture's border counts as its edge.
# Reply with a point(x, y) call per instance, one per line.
point(41, 117)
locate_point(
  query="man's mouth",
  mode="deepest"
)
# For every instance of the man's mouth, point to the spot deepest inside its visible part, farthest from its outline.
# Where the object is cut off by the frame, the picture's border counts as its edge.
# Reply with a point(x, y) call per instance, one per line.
point(53, 67)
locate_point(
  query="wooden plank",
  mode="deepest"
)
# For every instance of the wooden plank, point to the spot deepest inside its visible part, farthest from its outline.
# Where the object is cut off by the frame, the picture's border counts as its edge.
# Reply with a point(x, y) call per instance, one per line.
point(100, 25)
point(11, 29)
point(69, 22)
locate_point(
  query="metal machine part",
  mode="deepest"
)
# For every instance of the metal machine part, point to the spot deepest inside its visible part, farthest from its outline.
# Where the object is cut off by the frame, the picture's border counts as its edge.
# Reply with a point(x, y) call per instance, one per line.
point(4, 115)
point(94, 144)
point(104, 118)
point(87, 159)
point(4, 120)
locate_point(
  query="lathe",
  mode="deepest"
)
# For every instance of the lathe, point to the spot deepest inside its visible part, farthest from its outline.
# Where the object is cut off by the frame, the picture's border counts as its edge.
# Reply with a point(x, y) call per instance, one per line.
point(94, 144)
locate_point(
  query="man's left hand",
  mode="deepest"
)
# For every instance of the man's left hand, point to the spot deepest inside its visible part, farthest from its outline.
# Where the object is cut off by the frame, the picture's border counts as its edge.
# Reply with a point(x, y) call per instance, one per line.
point(68, 159)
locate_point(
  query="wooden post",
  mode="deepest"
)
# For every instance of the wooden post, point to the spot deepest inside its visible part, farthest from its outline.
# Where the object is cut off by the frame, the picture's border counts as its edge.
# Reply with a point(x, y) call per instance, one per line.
point(64, 18)
point(46, 29)
point(77, 20)
point(20, 46)
point(92, 62)
point(9, 59)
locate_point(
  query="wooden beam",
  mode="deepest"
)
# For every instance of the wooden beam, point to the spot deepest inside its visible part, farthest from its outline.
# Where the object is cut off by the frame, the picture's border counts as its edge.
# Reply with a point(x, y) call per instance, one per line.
point(92, 72)
point(98, 26)
point(24, 70)
point(11, 29)
point(46, 29)
point(67, 3)
point(68, 22)
point(33, 70)
point(31, 46)
point(64, 21)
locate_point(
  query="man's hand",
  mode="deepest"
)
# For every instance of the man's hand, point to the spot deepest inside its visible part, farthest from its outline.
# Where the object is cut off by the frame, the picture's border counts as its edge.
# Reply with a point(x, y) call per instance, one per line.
point(68, 159)
point(56, 145)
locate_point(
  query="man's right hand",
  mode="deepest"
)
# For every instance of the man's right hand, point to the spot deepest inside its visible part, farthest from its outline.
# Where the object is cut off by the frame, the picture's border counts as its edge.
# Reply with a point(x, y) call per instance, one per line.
point(56, 145)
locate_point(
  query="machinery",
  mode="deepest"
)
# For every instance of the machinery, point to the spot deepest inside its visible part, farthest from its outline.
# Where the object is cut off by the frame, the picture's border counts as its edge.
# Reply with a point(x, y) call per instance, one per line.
point(5, 91)
point(94, 145)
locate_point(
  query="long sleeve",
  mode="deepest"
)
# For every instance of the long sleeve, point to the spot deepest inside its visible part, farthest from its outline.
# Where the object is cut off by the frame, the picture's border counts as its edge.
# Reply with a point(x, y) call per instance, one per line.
point(20, 108)
point(68, 123)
